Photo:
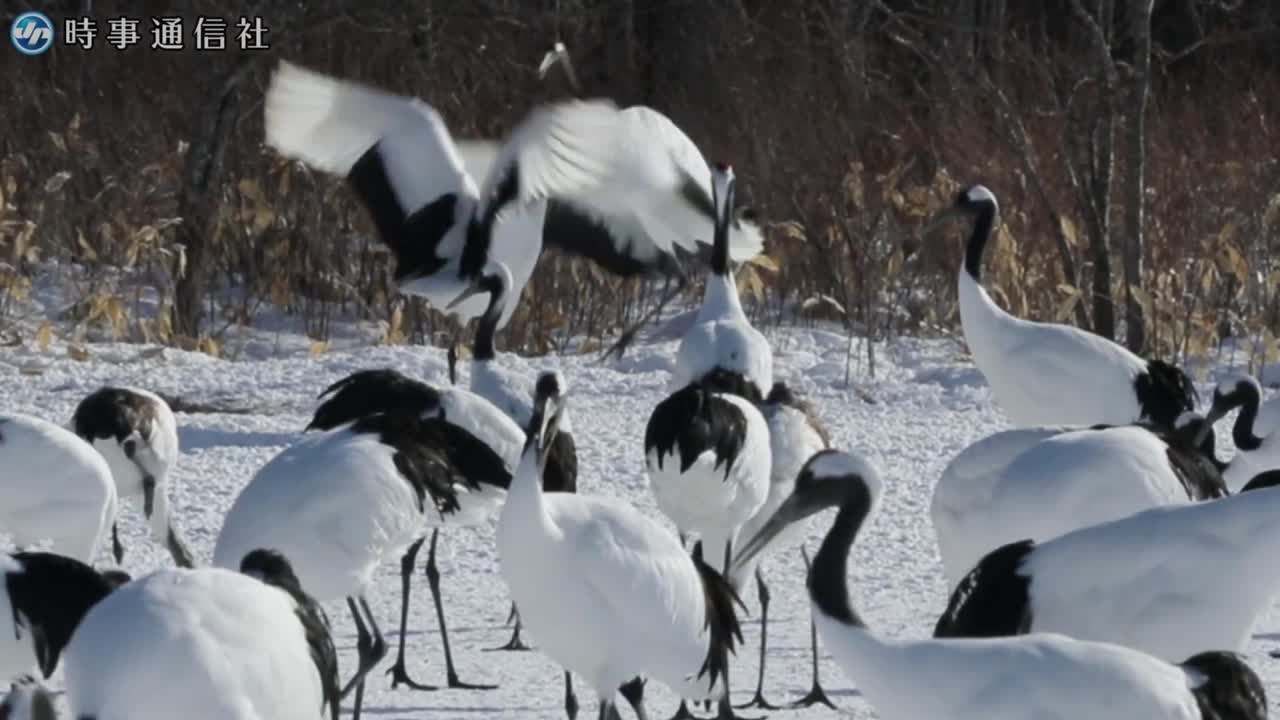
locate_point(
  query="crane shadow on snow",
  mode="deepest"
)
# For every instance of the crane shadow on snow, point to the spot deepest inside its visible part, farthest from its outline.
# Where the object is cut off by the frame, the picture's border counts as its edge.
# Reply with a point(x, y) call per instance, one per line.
point(414, 713)
point(198, 438)
point(346, 641)
point(950, 376)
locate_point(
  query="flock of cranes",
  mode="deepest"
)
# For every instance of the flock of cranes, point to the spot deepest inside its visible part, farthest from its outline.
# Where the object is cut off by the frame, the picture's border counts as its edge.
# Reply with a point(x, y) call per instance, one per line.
point(1102, 562)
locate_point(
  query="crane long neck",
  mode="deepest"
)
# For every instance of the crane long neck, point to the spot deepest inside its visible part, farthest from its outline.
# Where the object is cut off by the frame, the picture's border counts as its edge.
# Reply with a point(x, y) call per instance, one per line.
point(977, 245)
point(720, 241)
point(526, 509)
point(1242, 432)
point(486, 327)
point(827, 589)
point(720, 298)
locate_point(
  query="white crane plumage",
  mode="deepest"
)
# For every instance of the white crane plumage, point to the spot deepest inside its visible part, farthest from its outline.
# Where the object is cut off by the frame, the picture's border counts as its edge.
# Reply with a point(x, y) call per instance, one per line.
point(43, 598)
point(1048, 373)
point(417, 182)
point(54, 487)
point(1035, 676)
point(707, 457)
point(397, 154)
point(653, 204)
point(795, 435)
point(206, 644)
point(609, 592)
point(136, 432)
point(722, 336)
point(342, 502)
point(1039, 483)
point(482, 444)
point(1171, 581)
point(513, 394)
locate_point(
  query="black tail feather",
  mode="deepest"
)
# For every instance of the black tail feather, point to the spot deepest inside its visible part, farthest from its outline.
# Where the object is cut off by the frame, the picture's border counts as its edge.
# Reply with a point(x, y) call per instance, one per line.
point(1231, 689)
point(992, 599)
point(722, 619)
point(1164, 392)
point(272, 568)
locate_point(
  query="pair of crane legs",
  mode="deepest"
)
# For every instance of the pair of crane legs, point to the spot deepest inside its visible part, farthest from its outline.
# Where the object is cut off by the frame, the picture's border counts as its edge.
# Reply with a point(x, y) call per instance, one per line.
point(371, 648)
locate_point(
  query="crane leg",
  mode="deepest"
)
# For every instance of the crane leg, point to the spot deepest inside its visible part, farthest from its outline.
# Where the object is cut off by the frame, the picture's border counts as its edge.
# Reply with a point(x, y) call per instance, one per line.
point(515, 644)
point(816, 694)
point(433, 579)
point(370, 646)
point(399, 675)
point(763, 591)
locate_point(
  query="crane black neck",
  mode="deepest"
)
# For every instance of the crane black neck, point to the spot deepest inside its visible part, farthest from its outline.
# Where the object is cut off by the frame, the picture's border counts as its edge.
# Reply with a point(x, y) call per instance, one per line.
point(827, 588)
point(1242, 432)
point(487, 325)
point(479, 238)
point(720, 243)
point(983, 223)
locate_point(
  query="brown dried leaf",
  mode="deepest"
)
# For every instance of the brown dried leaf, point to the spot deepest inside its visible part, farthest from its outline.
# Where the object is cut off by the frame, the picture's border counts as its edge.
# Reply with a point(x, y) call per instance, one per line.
point(765, 262)
point(1270, 217)
point(1065, 309)
point(77, 353)
point(1143, 299)
point(1069, 231)
point(89, 253)
point(749, 283)
point(208, 346)
point(249, 188)
point(793, 230)
point(44, 336)
point(262, 219)
point(1229, 258)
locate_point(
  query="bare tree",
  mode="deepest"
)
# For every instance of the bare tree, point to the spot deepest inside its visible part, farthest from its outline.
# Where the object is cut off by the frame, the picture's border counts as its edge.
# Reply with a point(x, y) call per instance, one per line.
point(1133, 188)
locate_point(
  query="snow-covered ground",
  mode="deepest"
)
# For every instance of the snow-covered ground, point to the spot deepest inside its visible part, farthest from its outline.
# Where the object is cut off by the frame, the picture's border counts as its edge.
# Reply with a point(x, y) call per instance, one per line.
point(925, 404)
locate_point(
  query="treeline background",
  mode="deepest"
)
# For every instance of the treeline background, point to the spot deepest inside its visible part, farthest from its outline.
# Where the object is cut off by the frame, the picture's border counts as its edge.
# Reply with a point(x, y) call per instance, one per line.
point(1134, 146)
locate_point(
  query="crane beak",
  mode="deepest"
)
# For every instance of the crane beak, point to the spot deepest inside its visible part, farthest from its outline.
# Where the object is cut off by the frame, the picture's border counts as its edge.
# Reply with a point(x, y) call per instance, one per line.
point(794, 509)
point(559, 54)
point(548, 61)
point(472, 290)
point(550, 424)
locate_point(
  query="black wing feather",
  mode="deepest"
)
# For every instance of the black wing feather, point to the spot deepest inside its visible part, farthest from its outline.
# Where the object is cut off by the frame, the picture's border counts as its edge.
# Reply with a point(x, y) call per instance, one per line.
point(575, 232)
point(1164, 392)
point(51, 595)
point(274, 569)
point(694, 420)
point(993, 599)
point(412, 234)
point(436, 457)
point(370, 392)
point(1231, 691)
